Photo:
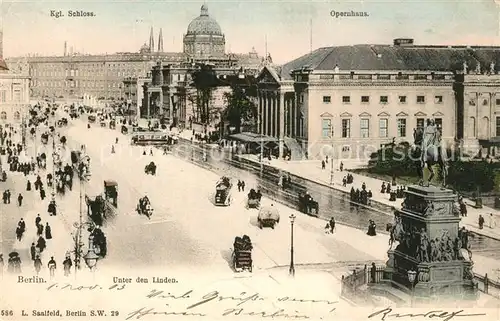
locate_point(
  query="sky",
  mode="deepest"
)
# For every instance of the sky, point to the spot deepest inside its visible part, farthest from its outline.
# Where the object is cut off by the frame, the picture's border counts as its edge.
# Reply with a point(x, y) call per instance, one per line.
point(289, 26)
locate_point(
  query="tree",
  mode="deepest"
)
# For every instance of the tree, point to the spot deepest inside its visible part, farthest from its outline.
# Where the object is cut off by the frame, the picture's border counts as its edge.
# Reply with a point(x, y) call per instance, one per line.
point(397, 160)
point(204, 80)
point(471, 175)
point(239, 108)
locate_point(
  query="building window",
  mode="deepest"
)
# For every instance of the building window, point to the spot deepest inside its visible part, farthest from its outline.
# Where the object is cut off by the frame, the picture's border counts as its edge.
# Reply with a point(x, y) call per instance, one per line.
point(498, 101)
point(346, 99)
point(498, 126)
point(420, 122)
point(346, 128)
point(327, 99)
point(382, 125)
point(402, 99)
point(384, 99)
point(365, 127)
point(326, 128)
point(420, 99)
point(3, 95)
point(401, 127)
point(439, 124)
point(365, 99)
point(438, 99)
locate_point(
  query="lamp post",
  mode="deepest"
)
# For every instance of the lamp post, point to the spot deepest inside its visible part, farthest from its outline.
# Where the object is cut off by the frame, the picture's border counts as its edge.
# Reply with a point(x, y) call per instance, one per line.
point(292, 266)
point(84, 175)
point(331, 157)
point(91, 257)
point(411, 277)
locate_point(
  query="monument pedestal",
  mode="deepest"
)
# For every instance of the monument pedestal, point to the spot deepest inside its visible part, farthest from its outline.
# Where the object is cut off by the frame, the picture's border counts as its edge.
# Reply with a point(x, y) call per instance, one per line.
point(430, 244)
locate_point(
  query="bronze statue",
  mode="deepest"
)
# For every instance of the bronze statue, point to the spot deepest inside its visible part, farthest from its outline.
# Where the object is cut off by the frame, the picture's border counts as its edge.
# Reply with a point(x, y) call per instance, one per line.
point(424, 245)
point(427, 145)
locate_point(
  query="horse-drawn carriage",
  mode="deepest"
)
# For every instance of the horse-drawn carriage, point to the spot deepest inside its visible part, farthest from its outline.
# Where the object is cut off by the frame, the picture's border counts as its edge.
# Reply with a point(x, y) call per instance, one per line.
point(308, 205)
point(268, 217)
point(223, 192)
point(144, 207)
point(111, 192)
point(254, 199)
point(62, 122)
point(150, 168)
point(103, 123)
point(112, 124)
point(242, 254)
point(91, 119)
point(45, 138)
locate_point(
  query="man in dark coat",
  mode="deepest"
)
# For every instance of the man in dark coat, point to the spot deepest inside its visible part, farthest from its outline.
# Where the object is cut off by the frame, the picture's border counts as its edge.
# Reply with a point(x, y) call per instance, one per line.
point(22, 225)
point(33, 251)
point(38, 264)
point(39, 230)
point(20, 199)
point(48, 232)
point(41, 244)
point(38, 219)
point(28, 186)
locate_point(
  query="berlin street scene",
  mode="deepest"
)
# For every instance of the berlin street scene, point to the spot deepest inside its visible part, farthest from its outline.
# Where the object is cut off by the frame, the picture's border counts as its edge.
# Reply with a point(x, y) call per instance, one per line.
point(293, 163)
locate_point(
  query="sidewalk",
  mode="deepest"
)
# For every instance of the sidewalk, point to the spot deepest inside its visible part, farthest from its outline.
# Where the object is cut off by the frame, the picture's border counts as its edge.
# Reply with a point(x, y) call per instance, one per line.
point(311, 170)
point(61, 225)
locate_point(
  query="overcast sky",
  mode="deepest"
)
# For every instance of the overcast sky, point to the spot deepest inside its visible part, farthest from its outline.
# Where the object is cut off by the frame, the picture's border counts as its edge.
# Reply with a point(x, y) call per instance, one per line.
point(124, 25)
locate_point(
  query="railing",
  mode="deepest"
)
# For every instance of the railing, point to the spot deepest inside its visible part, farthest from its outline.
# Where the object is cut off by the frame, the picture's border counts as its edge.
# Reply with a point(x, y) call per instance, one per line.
point(353, 285)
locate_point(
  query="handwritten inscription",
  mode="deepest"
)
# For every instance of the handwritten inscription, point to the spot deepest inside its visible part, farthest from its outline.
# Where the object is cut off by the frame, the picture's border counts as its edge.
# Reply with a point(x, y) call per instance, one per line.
point(387, 314)
point(227, 305)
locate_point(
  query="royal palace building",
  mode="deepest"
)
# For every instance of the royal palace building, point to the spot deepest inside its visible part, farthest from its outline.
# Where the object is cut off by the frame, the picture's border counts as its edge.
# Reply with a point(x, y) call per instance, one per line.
point(74, 75)
point(352, 99)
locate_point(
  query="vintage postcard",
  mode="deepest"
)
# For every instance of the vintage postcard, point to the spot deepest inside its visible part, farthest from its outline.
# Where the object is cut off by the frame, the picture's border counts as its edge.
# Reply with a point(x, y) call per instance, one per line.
point(248, 160)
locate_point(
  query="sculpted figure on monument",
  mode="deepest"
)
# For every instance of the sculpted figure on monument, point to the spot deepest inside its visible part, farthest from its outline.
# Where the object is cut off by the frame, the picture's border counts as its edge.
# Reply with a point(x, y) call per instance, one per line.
point(429, 208)
point(427, 145)
point(424, 246)
point(434, 252)
point(457, 249)
point(440, 208)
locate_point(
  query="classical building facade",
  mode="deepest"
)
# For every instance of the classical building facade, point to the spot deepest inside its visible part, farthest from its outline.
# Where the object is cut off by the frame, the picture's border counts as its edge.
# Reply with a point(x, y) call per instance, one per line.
point(14, 91)
point(347, 101)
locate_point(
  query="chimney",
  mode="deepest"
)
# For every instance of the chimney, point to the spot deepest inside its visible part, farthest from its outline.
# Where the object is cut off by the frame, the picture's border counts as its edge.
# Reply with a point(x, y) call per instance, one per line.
point(160, 41)
point(65, 48)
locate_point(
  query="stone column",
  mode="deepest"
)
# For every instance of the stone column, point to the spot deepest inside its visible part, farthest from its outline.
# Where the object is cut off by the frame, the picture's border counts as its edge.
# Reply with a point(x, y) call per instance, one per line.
point(281, 126)
point(259, 113)
point(275, 114)
point(171, 107)
point(264, 113)
point(269, 114)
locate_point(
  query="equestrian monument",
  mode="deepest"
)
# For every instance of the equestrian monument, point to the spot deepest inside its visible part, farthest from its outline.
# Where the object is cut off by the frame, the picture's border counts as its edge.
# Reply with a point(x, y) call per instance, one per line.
point(425, 239)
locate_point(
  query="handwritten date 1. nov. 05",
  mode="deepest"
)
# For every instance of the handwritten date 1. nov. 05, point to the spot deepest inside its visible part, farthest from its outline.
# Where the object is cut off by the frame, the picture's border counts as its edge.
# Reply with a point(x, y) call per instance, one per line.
point(71, 287)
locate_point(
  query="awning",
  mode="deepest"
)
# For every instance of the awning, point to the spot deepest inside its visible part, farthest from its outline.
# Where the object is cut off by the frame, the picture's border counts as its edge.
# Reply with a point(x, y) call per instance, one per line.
point(253, 138)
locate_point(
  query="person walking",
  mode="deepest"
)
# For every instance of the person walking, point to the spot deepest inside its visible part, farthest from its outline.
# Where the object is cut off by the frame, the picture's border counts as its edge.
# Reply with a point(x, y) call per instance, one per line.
point(20, 199)
point(52, 266)
point(67, 264)
point(38, 264)
point(33, 251)
point(48, 231)
point(38, 219)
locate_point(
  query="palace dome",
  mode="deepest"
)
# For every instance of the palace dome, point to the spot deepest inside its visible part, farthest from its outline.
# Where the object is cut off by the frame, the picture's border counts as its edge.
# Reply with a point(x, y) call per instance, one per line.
point(204, 24)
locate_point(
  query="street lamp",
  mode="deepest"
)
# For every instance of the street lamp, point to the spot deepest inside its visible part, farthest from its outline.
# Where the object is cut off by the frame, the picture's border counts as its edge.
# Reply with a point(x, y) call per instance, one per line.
point(292, 267)
point(84, 175)
point(331, 158)
point(91, 257)
point(411, 277)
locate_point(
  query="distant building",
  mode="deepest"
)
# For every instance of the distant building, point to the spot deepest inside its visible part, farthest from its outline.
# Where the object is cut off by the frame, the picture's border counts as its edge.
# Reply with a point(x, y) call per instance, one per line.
point(14, 91)
point(102, 76)
point(170, 93)
point(355, 98)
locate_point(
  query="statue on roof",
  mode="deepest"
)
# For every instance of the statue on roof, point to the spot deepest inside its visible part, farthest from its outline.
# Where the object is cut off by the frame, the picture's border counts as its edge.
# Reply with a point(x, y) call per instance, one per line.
point(478, 68)
point(465, 67)
point(336, 69)
point(492, 68)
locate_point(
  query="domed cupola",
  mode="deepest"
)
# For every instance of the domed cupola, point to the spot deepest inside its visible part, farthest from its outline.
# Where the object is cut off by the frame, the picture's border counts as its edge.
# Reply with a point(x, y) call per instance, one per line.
point(204, 36)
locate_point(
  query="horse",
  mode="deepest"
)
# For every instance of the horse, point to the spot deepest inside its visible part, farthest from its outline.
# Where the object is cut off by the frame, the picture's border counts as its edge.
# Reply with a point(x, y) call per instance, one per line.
point(429, 156)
